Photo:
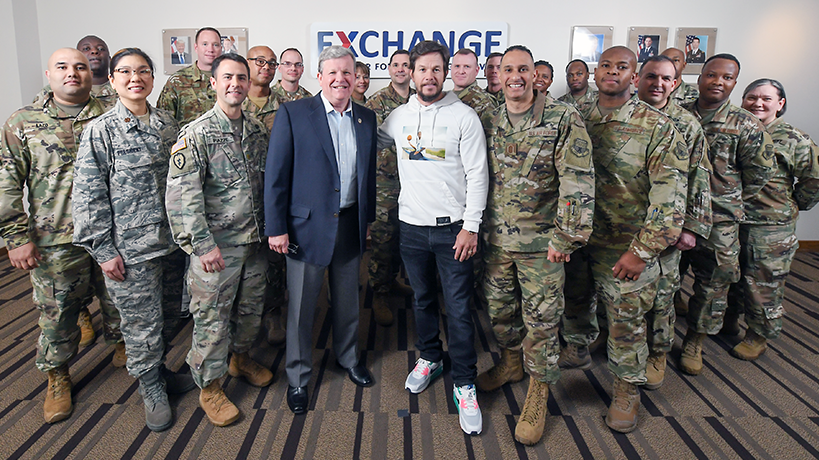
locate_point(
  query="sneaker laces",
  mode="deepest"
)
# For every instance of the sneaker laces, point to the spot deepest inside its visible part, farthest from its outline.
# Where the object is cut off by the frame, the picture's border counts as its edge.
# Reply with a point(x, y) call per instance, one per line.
point(467, 399)
point(422, 368)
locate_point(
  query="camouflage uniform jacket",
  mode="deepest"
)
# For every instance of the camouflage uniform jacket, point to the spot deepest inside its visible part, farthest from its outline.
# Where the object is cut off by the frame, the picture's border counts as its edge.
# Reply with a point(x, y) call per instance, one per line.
point(481, 102)
point(742, 157)
point(284, 96)
point(640, 165)
point(498, 97)
point(780, 200)
point(119, 186)
point(383, 102)
point(541, 187)
point(684, 93)
point(584, 103)
point(187, 94)
point(38, 150)
point(698, 204)
point(214, 195)
point(265, 114)
point(104, 93)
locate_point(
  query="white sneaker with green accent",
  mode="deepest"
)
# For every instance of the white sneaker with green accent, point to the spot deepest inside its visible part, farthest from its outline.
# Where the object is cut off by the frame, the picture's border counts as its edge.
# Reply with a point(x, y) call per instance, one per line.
point(423, 373)
point(468, 411)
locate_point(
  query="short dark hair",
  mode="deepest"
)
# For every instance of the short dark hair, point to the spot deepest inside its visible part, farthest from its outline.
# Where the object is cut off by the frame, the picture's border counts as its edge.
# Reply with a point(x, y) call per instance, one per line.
point(130, 52)
point(585, 66)
point(657, 58)
point(696, 38)
point(464, 51)
point(427, 47)
point(494, 55)
point(203, 29)
point(229, 56)
point(398, 53)
point(727, 56)
point(519, 48)
point(780, 90)
point(292, 49)
point(545, 63)
point(363, 67)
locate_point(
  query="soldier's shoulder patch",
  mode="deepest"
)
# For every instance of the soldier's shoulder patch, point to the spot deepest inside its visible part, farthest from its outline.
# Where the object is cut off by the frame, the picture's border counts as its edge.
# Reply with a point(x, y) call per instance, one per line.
point(182, 161)
point(580, 147)
point(769, 151)
point(180, 144)
point(681, 151)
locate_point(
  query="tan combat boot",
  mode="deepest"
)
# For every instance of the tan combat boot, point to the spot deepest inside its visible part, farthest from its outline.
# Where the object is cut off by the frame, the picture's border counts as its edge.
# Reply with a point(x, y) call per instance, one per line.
point(625, 402)
point(751, 347)
point(680, 305)
point(529, 429)
point(400, 289)
point(219, 409)
point(242, 365)
point(691, 358)
point(381, 312)
point(574, 357)
point(119, 358)
point(655, 370)
point(87, 335)
point(58, 404)
point(508, 370)
point(276, 333)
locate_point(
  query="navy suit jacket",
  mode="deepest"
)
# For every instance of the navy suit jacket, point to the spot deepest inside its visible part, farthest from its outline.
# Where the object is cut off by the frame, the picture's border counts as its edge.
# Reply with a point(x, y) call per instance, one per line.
point(302, 185)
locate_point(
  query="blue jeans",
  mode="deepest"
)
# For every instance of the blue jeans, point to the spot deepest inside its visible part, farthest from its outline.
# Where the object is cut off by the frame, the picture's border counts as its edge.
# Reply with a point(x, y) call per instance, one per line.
point(422, 249)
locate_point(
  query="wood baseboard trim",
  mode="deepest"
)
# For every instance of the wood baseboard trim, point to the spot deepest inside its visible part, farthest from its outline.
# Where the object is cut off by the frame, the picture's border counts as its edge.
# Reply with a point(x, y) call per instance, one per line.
point(809, 246)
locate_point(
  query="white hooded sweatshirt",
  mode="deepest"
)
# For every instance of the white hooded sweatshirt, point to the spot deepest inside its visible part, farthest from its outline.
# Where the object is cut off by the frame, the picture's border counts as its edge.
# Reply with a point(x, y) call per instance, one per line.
point(441, 162)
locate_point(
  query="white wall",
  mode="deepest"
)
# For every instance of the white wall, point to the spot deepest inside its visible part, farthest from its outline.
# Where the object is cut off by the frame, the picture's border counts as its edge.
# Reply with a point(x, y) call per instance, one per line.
point(771, 39)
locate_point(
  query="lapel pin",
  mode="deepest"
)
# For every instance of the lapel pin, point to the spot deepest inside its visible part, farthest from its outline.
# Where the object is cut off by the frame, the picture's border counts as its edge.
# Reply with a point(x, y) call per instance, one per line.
point(359, 121)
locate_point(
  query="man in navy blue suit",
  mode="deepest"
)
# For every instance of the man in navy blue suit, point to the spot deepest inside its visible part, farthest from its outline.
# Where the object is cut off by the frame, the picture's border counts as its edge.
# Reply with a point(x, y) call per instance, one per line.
point(319, 199)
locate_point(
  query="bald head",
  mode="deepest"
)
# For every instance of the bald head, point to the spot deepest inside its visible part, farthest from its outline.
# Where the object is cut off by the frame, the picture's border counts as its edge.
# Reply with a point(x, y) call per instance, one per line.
point(69, 75)
point(621, 54)
point(261, 75)
point(677, 58)
point(615, 72)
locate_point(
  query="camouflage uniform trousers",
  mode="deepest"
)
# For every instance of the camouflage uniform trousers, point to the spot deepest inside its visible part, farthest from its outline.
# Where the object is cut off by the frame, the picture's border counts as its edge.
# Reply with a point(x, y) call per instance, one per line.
point(385, 259)
point(227, 309)
point(67, 280)
point(765, 260)
point(148, 301)
point(626, 303)
point(715, 264)
point(662, 317)
point(580, 317)
point(525, 296)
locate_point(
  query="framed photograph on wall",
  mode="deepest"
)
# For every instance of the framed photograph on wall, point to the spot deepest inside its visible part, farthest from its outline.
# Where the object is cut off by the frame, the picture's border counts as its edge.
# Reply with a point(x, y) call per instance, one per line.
point(698, 44)
point(647, 42)
point(588, 43)
point(179, 52)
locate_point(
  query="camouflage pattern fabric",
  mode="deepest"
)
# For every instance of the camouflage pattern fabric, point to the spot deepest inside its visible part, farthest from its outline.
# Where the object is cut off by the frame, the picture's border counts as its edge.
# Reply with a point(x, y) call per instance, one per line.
point(105, 94)
point(148, 301)
point(227, 309)
point(499, 97)
point(282, 95)
point(214, 192)
point(481, 102)
point(684, 93)
point(187, 94)
point(385, 258)
point(584, 103)
point(661, 318)
point(265, 114)
point(64, 283)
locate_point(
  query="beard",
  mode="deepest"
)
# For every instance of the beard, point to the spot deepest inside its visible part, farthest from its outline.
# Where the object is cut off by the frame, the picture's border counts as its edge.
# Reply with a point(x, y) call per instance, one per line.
point(431, 98)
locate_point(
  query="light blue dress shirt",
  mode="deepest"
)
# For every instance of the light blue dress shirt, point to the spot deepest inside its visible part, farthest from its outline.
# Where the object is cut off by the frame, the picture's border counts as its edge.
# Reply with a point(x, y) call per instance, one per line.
point(343, 133)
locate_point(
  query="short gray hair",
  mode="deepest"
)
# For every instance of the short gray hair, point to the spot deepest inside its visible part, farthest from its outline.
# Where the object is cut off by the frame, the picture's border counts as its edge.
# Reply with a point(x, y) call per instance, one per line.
point(334, 52)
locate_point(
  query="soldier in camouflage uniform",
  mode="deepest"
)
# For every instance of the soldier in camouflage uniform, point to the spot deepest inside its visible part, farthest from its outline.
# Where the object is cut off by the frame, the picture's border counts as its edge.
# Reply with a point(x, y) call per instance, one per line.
point(640, 163)
point(288, 89)
point(683, 93)
point(579, 95)
point(767, 236)
point(464, 77)
point(385, 258)
point(214, 202)
point(120, 219)
point(654, 87)
point(539, 210)
point(743, 160)
point(188, 93)
point(262, 104)
point(491, 71)
point(39, 145)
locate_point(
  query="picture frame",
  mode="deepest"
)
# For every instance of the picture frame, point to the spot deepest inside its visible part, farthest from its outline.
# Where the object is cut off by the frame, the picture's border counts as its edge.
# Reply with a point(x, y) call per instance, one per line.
point(234, 40)
point(588, 43)
point(647, 42)
point(698, 44)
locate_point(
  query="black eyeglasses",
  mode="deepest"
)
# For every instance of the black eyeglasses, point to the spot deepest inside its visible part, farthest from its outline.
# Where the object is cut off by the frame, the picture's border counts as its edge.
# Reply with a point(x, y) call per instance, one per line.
point(260, 62)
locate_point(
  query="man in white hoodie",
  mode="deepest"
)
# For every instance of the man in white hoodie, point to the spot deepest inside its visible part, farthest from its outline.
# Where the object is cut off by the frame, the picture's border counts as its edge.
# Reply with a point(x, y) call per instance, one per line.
point(442, 168)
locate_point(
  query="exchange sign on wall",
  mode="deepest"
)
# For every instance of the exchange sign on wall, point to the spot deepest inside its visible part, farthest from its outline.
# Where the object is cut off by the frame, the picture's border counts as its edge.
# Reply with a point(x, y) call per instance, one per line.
point(372, 42)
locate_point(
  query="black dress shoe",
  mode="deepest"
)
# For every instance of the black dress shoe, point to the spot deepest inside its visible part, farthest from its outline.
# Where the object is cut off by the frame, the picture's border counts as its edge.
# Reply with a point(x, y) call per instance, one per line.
point(297, 399)
point(361, 376)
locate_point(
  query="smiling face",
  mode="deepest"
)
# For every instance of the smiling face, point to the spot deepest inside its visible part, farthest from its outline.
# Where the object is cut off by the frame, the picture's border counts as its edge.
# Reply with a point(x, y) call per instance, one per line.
point(337, 79)
point(134, 87)
point(208, 47)
point(764, 102)
point(464, 70)
point(292, 66)
point(717, 81)
point(69, 76)
point(264, 74)
point(656, 81)
point(399, 69)
point(96, 51)
point(517, 76)
point(429, 75)
point(231, 83)
point(615, 71)
point(362, 82)
point(544, 78)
